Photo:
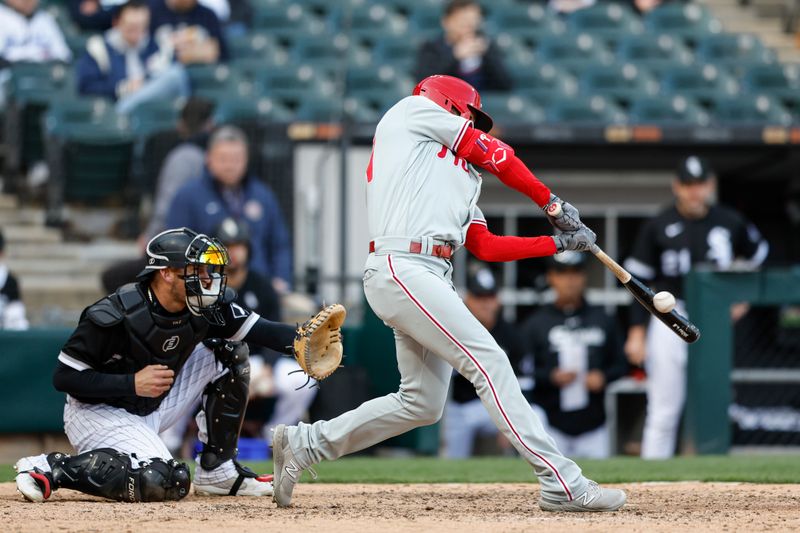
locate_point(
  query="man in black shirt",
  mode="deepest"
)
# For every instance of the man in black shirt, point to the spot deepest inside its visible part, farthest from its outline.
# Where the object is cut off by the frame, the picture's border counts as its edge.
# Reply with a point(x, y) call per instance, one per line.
point(138, 360)
point(465, 416)
point(12, 309)
point(693, 231)
point(577, 351)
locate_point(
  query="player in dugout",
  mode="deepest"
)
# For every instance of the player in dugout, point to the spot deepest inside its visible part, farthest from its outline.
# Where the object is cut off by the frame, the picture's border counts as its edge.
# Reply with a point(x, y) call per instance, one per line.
point(138, 361)
point(421, 197)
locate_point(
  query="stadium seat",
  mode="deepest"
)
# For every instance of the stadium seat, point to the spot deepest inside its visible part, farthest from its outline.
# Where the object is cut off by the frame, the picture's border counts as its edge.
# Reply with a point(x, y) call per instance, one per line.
point(366, 22)
point(687, 21)
point(217, 82)
point(574, 52)
point(619, 82)
point(584, 111)
point(399, 52)
point(370, 81)
point(155, 116)
point(286, 22)
point(244, 111)
point(333, 110)
point(657, 110)
point(530, 23)
point(749, 110)
point(89, 152)
point(255, 45)
point(425, 22)
point(779, 81)
point(330, 53)
point(736, 52)
point(655, 54)
point(511, 109)
point(700, 82)
point(608, 21)
point(542, 82)
point(290, 85)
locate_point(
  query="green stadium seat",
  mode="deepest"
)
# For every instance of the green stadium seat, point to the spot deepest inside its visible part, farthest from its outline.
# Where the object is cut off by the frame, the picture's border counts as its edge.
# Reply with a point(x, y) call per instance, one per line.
point(399, 52)
point(619, 82)
point(779, 81)
point(584, 111)
point(514, 49)
point(217, 82)
point(332, 110)
point(736, 52)
point(574, 52)
point(366, 22)
point(660, 111)
point(89, 152)
point(369, 81)
point(154, 117)
point(330, 53)
point(530, 23)
point(244, 111)
point(511, 109)
point(749, 110)
point(254, 45)
point(542, 82)
point(293, 84)
point(286, 22)
point(656, 54)
point(407, 7)
point(608, 21)
point(699, 82)
point(425, 22)
point(687, 21)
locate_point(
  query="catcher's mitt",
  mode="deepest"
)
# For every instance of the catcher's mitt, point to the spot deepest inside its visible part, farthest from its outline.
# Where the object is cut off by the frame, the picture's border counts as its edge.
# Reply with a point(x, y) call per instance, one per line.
point(318, 343)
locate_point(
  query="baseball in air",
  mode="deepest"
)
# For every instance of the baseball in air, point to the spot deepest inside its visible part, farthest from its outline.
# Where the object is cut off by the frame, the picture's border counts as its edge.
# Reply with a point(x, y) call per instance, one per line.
point(664, 302)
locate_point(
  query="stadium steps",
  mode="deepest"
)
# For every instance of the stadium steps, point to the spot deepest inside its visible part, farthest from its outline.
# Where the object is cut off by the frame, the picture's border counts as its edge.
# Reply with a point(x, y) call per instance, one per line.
point(58, 279)
point(763, 19)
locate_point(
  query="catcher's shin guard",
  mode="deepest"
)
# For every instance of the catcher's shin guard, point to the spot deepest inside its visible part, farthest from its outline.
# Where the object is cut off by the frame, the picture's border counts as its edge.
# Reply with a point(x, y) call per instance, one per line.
point(225, 404)
point(108, 473)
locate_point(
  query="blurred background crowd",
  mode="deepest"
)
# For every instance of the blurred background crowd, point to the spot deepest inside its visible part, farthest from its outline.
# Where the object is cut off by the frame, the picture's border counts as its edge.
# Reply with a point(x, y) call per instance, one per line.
point(251, 120)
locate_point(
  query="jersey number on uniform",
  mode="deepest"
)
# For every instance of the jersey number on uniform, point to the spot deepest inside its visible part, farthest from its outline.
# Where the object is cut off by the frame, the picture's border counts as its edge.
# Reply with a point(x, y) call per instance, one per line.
point(456, 160)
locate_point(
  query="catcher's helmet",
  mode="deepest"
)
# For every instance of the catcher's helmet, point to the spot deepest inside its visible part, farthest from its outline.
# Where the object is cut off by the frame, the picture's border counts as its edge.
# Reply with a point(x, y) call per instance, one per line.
point(205, 281)
point(456, 96)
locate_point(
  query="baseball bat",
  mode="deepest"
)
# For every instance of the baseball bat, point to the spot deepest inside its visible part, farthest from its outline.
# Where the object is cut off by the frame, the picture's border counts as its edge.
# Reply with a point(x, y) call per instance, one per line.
point(677, 323)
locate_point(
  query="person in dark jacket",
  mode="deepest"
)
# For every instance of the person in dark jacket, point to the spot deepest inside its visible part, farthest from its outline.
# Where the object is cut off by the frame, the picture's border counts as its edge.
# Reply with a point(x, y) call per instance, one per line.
point(192, 32)
point(226, 190)
point(463, 50)
point(124, 64)
point(577, 351)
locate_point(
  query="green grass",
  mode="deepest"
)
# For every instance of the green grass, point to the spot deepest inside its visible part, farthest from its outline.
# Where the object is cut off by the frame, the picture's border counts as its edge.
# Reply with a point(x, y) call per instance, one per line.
point(754, 469)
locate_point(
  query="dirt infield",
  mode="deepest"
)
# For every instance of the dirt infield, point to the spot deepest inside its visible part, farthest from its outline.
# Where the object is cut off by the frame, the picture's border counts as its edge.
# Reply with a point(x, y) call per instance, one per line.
point(389, 508)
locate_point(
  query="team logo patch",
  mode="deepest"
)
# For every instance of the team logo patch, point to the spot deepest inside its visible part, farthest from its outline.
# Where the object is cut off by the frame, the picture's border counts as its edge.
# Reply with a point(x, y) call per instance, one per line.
point(171, 343)
point(238, 312)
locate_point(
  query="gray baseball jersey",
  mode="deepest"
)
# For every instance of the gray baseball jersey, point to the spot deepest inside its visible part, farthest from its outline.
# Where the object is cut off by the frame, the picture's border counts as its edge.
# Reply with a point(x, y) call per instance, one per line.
point(418, 189)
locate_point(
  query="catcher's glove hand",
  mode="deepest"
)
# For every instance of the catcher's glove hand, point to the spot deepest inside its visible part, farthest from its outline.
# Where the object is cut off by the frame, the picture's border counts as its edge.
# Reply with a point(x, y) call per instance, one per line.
point(318, 343)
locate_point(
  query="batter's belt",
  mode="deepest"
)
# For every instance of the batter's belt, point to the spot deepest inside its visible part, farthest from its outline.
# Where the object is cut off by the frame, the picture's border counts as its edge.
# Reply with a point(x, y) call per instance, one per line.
point(420, 245)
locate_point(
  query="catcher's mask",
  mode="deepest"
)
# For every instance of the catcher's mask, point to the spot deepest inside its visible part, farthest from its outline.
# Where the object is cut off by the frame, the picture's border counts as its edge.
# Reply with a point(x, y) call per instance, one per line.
point(456, 96)
point(203, 260)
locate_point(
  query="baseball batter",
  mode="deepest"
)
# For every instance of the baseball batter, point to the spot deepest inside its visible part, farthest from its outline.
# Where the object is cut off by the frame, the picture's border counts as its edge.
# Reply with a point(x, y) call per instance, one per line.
point(688, 233)
point(422, 190)
point(138, 362)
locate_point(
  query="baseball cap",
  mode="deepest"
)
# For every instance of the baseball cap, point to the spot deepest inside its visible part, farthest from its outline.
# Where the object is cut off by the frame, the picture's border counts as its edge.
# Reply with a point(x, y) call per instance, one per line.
point(568, 260)
point(481, 282)
point(694, 169)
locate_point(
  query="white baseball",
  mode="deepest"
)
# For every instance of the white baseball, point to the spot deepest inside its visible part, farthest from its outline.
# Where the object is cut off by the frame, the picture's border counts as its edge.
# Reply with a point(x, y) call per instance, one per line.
point(664, 302)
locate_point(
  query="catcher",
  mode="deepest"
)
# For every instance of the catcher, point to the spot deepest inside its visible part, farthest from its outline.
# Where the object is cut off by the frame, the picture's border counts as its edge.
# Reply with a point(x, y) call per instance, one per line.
point(142, 356)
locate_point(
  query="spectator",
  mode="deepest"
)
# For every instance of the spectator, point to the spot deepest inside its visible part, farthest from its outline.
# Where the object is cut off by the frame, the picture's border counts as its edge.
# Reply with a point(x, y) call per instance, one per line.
point(272, 376)
point(127, 66)
point(189, 31)
point(182, 163)
point(93, 15)
point(12, 310)
point(226, 190)
point(463, 50)
point(29, 34)
point(668, 246)
point(577, 351)
point(465, 416)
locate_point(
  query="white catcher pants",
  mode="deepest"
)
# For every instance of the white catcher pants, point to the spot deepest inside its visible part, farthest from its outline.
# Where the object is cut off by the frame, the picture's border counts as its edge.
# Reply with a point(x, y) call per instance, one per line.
point(435, 332)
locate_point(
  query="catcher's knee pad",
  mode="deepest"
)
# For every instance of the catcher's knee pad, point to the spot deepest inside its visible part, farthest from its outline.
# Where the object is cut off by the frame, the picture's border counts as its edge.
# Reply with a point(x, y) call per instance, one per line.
point(225, 404)
point(108, 473)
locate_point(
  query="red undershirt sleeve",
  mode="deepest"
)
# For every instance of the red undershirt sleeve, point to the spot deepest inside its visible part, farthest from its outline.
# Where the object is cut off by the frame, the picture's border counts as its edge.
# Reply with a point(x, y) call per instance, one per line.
point(487, 246)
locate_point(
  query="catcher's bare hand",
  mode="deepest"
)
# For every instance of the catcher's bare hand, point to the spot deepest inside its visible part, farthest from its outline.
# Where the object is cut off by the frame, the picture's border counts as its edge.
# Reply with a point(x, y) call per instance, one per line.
point(154, 380)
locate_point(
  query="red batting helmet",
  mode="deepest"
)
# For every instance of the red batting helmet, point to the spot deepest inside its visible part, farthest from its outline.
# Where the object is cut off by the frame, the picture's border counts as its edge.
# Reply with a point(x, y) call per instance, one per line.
point(456, 96)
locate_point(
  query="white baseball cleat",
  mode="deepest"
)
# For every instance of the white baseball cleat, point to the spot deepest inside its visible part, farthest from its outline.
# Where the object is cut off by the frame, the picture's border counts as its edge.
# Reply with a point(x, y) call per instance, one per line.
point(32, 479)
point(286, 468)
point(245, 482)
point(595, 499)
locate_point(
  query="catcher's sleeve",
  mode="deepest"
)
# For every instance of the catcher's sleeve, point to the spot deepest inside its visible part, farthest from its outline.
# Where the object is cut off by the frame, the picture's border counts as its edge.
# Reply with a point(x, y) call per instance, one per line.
point(90, 383)
point(273, 335)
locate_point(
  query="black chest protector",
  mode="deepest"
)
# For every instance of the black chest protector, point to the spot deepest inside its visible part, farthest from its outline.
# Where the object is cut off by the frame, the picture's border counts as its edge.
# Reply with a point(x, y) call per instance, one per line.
point(154, 339)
